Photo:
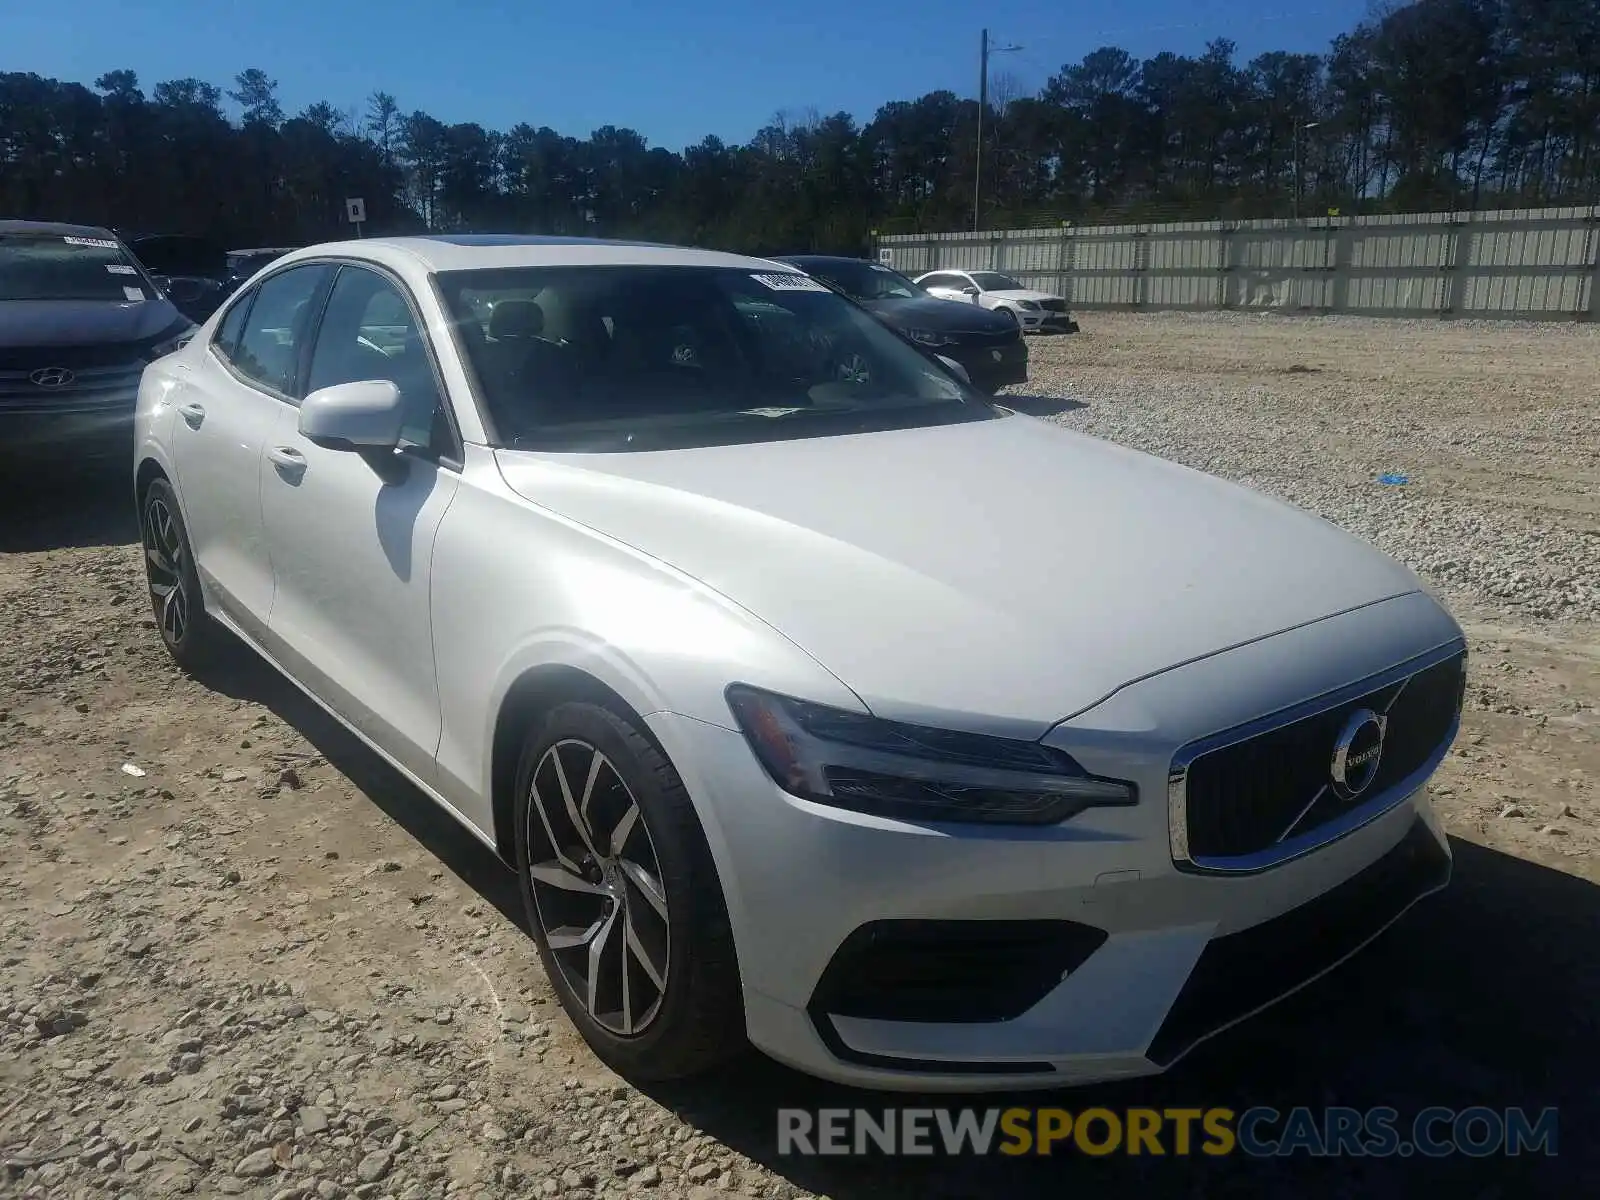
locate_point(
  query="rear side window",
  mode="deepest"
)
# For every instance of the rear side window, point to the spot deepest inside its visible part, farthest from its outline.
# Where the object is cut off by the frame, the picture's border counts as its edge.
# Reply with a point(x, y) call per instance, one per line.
point(277, 326)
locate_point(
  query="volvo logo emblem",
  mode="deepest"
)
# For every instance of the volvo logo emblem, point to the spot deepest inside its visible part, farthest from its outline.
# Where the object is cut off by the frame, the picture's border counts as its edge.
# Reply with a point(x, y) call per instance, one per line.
point(1356, 753)
point(53, 377)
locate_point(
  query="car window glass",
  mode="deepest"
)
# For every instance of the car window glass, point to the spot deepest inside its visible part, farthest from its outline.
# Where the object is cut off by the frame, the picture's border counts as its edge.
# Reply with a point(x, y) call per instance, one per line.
point(628, 357)
point(277, 326)
point(227, 336)
point(368, 332)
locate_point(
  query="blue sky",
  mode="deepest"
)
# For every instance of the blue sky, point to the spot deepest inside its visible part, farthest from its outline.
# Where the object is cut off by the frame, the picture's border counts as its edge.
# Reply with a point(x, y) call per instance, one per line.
point(673, 71)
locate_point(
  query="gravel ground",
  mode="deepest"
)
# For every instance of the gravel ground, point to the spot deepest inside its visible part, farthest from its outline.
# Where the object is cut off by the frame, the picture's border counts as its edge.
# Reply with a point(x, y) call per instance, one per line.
point(239, 956)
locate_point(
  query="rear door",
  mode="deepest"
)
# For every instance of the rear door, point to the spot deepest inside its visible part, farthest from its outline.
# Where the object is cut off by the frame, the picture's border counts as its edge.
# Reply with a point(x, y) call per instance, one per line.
point(351, 534)
point(228, 406)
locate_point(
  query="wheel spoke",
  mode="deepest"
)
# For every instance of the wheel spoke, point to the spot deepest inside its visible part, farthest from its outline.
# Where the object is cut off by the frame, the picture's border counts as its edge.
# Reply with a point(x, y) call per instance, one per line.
point(597, 949)
point(619, 835)
point(595, 763)
point(558, 875)
point(570, 801)
point(658, 975)
point(648, 885)
point(570, 867)
point(570, 937)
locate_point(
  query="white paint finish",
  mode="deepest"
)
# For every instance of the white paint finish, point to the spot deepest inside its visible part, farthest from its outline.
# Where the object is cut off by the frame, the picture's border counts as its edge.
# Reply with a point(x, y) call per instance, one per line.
point(352, 557)
point(867, 554)
point(216, 443)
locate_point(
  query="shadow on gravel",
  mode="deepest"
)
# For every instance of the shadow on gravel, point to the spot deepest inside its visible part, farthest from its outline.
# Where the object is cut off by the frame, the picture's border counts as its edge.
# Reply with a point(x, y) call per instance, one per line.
point(57, 505)
point(1483, 995)
point(1040, 406)
point(239, 673)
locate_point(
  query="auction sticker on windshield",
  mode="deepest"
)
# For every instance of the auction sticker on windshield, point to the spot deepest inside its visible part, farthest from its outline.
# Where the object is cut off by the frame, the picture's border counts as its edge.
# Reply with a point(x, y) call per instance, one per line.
point(133, 293)
point(789, 283)
point(120, 269)
point(97, 243)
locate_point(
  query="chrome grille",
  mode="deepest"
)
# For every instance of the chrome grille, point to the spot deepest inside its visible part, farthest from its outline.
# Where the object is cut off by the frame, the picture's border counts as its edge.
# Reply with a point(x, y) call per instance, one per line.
point(1267, 794)
point(92, 388)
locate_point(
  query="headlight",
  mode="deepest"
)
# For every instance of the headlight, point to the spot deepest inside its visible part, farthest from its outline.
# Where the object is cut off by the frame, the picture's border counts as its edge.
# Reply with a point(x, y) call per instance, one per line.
point(1030, 305)
point(912, 772)
point(168, 345)
point(930, 337)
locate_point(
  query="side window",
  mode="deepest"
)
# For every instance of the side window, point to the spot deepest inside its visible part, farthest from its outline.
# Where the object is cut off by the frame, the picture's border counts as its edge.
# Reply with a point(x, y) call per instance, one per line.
point(275, 329)
point(368, 332)
point(226, 340)
point(944, 280)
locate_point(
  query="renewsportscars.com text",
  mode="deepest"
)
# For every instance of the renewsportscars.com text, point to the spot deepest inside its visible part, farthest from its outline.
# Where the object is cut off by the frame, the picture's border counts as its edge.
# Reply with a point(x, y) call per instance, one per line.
point(1254, 1132)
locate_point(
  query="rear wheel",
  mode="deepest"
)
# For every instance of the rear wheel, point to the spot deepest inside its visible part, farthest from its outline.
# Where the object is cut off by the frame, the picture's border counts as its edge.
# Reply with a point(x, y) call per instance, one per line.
point(175, 600)
point(623, 898)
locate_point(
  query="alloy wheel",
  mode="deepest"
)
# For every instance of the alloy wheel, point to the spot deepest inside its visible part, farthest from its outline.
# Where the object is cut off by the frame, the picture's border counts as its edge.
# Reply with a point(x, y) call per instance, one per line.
point(164, 567)
point(597, 887)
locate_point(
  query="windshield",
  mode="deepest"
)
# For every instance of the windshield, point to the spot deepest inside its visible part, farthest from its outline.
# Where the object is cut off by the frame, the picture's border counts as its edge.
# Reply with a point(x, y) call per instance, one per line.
point(993, 281)
point(52, 267)
point(867, 281)
point(620, 358)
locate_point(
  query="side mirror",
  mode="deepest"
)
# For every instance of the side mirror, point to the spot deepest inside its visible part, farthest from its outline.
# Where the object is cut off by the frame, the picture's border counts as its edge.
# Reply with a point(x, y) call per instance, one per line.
point(970, 290)
point(955, 368)
point(354, 416)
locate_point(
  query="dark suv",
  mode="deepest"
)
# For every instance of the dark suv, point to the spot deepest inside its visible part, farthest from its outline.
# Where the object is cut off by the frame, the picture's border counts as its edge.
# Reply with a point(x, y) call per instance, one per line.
point(80, 318)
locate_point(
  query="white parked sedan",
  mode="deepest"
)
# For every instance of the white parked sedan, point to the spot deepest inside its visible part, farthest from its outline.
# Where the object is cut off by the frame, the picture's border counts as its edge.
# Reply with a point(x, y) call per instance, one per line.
point(763, 648)
point(1033, 310)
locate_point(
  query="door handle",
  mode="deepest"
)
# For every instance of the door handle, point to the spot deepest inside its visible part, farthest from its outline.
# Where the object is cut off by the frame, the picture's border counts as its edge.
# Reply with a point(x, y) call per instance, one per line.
point(288, 461)
point(192, 414)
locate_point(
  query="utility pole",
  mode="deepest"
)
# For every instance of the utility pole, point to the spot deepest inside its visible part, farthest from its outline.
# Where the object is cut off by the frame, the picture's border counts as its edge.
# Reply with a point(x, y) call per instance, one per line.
point(1298, 130)
point(984, 51)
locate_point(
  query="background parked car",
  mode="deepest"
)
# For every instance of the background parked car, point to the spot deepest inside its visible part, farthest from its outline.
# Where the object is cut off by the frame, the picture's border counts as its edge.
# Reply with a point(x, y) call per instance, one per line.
point(192, 271)
point(988, 345)
point(79, 320)
point(1033, 310)
point(244, 263)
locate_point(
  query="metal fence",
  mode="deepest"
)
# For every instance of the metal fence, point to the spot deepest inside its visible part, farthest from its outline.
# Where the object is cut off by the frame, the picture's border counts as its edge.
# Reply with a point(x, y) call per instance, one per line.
point(1535, 263)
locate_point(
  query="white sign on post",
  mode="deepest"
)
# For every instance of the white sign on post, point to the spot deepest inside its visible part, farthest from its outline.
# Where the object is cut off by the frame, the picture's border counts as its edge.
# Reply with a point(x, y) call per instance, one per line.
point(886, 257)
point(355, 210)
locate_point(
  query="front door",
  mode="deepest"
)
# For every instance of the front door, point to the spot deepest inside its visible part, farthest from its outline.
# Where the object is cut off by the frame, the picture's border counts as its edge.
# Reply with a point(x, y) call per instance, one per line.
point(351, 533)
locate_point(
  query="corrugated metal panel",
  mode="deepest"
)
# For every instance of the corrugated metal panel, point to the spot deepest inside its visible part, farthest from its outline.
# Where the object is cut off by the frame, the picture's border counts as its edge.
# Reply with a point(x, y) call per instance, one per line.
point(1530, 262)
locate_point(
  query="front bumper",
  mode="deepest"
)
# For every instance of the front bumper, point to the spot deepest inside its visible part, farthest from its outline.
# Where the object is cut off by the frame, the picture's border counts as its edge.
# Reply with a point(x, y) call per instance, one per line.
point(1152, 959)
point(992, 368)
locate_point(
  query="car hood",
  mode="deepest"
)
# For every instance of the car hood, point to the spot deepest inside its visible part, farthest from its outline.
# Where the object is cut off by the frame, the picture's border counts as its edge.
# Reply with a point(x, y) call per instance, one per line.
point(29, 323)
point(943, 316)
point(1021, 294)
point(998, 575)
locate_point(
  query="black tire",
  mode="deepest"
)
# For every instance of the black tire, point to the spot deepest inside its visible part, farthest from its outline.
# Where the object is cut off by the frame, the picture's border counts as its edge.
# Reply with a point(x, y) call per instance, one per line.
point(1012, 313)
point(176, 602)
point(697, 1020)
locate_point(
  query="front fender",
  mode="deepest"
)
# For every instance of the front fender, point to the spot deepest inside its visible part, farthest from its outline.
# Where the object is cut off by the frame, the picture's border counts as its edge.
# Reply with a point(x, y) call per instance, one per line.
point(517, 588)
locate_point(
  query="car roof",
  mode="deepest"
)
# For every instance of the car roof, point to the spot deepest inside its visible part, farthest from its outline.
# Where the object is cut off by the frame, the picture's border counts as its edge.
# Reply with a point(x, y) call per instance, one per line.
point(480, 251)
point(822, 259)
point(55, 229)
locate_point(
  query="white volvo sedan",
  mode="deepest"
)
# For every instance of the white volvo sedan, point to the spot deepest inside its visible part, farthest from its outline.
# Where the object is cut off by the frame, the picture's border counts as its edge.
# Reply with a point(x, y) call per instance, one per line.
point(819, 702)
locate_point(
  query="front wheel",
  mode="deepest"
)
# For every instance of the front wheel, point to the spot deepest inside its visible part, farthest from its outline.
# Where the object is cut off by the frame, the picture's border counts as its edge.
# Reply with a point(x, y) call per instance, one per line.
point(1012, 313)
point(623, 898)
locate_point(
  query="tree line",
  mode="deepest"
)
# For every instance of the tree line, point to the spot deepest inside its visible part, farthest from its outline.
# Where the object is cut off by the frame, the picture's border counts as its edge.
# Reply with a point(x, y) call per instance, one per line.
point(1427, 104)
